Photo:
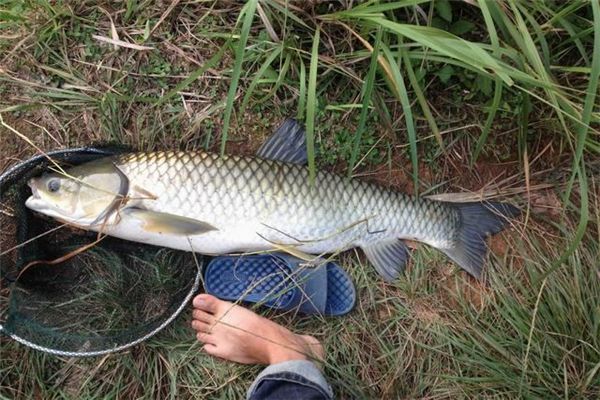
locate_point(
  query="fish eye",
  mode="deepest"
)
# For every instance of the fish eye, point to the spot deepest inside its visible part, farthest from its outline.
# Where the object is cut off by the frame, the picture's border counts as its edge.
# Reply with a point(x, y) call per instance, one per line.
point(53, 185)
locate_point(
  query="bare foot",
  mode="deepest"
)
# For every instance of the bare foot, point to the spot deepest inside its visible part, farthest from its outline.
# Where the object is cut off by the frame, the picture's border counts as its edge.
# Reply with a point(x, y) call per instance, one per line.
point(237, 334)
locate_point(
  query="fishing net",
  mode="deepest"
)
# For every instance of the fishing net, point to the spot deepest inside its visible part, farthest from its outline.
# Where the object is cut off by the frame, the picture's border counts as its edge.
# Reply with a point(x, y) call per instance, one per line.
point(111, 296)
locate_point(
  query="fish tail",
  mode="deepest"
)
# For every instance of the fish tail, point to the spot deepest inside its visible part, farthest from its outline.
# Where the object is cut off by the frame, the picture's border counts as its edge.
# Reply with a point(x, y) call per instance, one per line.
point(477, 222)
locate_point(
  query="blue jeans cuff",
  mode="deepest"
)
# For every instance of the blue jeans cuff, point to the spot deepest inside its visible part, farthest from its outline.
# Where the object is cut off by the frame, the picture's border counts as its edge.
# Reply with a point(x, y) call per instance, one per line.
point(298, 372)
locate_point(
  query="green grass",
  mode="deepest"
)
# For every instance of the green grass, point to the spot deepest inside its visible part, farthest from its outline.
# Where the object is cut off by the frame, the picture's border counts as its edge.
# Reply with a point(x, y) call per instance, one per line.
point(427, 97)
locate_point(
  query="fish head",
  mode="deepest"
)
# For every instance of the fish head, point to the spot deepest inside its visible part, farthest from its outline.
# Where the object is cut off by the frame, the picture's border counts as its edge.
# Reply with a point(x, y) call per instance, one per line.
point(84, 195)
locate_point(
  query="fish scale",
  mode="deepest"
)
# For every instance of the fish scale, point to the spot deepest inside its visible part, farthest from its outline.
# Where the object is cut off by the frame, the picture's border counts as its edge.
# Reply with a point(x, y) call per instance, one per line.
point(279, 197)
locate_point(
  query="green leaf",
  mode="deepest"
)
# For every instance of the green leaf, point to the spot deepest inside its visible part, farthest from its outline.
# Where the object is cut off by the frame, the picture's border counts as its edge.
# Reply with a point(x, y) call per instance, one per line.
point(444, 9)
point(578, 164)
point(439, 23)
point(9, 16)
point(146, 30)
point(369, 9)
point(461, 27)
point(445, 73)
point(484, 84)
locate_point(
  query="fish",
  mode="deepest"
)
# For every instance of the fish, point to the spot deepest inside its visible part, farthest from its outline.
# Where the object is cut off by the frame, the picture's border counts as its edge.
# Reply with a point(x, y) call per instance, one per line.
point(212, 204)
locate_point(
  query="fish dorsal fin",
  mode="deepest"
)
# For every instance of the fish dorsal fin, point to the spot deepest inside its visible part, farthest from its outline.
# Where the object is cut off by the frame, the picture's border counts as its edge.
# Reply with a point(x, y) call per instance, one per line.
point(286, 144)
point(389, 257)
point(169, 223)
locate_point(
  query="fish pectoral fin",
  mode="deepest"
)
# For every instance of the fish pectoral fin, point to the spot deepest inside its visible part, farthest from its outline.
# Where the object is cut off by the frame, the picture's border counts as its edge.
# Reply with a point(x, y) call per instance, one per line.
point(389, 257)
point(169, 223)
point(286, 144)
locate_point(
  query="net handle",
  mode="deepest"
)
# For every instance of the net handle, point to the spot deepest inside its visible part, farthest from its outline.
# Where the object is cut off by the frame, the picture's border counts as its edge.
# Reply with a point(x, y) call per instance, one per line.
point(135, 342)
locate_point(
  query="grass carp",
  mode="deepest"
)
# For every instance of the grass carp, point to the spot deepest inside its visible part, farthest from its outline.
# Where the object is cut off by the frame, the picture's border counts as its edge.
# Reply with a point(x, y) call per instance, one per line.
point(211, 204)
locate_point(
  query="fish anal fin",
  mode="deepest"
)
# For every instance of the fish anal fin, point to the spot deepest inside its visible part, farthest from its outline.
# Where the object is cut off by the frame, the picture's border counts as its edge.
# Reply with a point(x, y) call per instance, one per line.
point(169, 223)
point(286, 144)
point(389, 257)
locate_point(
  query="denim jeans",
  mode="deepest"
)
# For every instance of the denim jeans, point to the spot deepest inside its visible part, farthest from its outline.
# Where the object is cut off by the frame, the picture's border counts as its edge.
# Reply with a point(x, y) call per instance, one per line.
point(297, 379)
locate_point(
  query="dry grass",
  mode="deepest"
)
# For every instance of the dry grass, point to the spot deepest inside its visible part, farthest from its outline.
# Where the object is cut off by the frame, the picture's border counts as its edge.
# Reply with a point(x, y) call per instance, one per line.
point(434, 333)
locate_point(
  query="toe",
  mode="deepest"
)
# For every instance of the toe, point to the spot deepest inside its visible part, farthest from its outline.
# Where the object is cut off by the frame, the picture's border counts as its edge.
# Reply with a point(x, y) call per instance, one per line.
point(205, 338)
point(202, 326)
point(224, 353)
point(210, 349)
point(206, 302)
point(203, 316)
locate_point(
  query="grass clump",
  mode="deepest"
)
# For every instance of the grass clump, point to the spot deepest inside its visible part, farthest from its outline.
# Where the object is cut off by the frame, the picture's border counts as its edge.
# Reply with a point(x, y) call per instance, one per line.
point(496, 98)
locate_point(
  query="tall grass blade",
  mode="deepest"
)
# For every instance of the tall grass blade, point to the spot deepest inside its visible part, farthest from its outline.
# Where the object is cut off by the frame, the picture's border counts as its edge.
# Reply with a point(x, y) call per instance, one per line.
point(302, 90)
point(482, 140)
point(367, 93)
point(284, 9)
point(414, 83)
point(589, 102)
point(193, 76)
point(528, 49)
point(582, 131)
point(311, 106)
point(450, 45)
point(368, 9)
point(408, 117)
point(258, 76)
point(248, 10)
point(541, 39)
point(280, 78)
point(560, 18)
point(498, 85)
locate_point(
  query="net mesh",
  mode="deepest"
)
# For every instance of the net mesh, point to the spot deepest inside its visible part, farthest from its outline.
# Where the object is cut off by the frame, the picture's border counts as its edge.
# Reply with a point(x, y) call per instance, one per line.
point(112, 296)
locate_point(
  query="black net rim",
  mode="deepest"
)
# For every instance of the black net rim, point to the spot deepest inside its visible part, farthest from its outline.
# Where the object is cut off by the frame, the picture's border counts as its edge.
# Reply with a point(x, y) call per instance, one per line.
point(115, 343)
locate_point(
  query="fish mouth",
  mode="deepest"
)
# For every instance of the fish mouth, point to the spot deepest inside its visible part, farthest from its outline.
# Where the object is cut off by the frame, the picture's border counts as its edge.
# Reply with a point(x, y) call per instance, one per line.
point(35, 202)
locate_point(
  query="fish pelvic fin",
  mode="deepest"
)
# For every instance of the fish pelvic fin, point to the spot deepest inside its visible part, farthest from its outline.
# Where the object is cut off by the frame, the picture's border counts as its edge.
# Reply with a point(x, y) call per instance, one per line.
point(478, 221)
point(389, 257)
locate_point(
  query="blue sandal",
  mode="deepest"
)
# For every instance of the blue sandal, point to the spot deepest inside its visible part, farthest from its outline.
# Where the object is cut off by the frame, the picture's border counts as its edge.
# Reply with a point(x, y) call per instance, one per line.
point(282, 282)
